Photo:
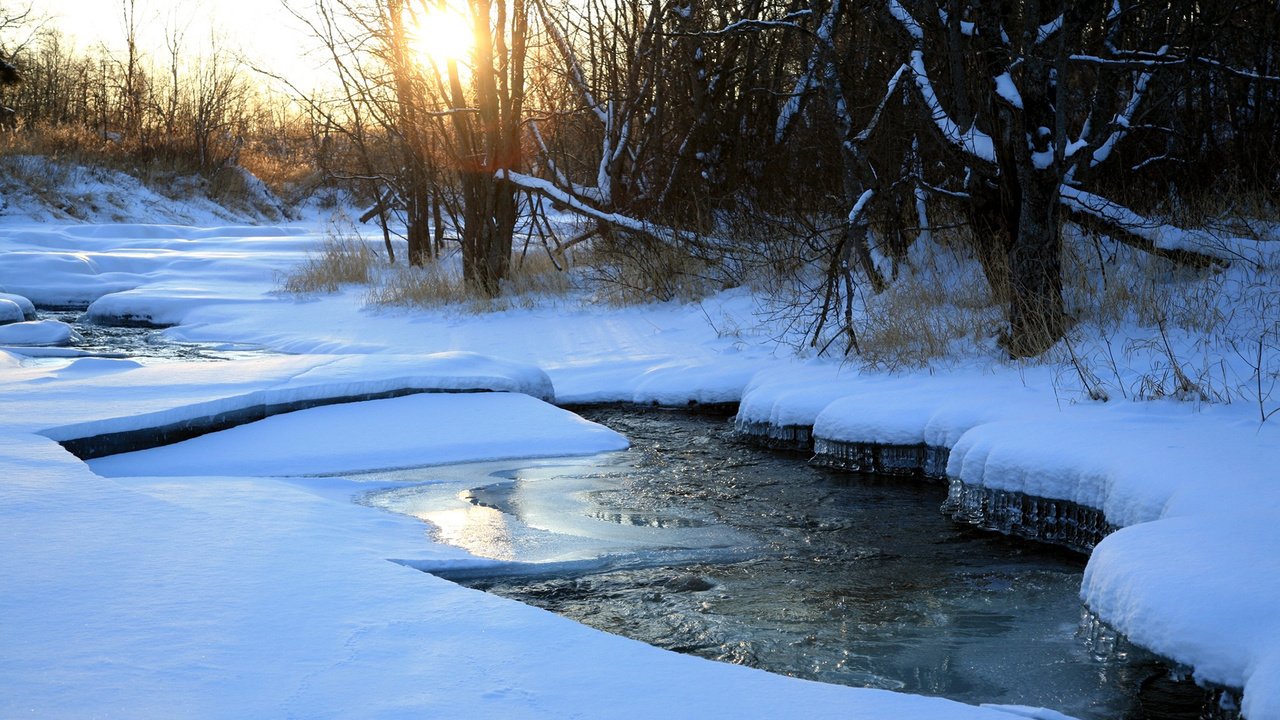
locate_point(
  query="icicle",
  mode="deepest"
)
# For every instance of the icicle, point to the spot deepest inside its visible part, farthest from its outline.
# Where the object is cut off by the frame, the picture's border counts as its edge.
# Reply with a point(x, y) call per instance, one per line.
point(899, 460)
point(798, 438)
point(1059, 522)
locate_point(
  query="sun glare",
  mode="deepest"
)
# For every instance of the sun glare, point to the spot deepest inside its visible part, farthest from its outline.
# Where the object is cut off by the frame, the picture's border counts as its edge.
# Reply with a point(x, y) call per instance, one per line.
point(443, 34)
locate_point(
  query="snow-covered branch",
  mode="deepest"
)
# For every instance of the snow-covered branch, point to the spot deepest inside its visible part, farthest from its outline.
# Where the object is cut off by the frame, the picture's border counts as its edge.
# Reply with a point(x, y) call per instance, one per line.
point(808, 80)
point(1150, 61)
point(570, 59)
point(550, 191)
point(1183, 246)
point(1121, 124)
point(973, 141)
point(744, 26)
point(1046, 31)
point(892, 88)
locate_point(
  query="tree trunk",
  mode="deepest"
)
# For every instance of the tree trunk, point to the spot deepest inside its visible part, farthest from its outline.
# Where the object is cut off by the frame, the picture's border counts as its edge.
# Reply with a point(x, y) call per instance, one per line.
point(492, 149)
point(1037, 319)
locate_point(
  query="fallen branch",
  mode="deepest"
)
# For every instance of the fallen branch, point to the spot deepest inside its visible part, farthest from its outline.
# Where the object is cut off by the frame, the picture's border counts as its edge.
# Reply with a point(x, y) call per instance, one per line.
point(1186, 247)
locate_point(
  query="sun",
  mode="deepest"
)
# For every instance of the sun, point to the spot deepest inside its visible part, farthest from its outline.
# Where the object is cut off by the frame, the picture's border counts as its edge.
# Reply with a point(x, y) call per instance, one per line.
point(443, 34)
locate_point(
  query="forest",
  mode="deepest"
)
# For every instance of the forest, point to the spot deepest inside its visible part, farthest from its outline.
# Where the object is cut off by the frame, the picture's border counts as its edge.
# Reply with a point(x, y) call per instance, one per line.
point(826, 146)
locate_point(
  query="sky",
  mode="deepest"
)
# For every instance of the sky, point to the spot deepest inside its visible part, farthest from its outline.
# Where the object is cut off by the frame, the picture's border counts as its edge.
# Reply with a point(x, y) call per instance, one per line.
point(263, 30)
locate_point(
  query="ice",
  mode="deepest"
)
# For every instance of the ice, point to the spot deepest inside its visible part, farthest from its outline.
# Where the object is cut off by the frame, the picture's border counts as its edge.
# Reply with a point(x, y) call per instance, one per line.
point(910, 460)
point(796, 438)
point(1059, 522)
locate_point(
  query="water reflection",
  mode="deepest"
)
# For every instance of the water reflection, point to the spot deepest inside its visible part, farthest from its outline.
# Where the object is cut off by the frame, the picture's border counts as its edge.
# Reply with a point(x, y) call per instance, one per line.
point(696, 543)
point(479, 530)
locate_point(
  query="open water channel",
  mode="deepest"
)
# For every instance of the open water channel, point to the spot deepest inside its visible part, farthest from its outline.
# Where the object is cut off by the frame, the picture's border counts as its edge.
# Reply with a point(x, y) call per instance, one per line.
point(697, 542)
point(144, 344)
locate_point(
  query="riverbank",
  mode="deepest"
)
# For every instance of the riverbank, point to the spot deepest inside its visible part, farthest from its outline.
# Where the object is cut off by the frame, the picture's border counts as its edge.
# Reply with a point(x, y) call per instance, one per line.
point(161, 592)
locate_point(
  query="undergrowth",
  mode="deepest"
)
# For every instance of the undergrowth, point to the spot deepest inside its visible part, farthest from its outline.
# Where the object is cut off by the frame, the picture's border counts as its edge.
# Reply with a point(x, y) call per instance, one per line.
point(245, 179)
point(1147, 329)
point(439, 283)
point(346, 259)
point(1140, 327)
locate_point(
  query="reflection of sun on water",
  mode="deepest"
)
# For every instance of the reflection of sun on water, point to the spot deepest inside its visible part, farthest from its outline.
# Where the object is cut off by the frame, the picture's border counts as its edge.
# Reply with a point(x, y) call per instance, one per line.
point(441, 35)
point(479, 530)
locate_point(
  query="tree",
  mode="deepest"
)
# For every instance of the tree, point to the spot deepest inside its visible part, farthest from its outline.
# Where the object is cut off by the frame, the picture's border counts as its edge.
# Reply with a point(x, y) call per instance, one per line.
point(1035, 98)
point(487, 144)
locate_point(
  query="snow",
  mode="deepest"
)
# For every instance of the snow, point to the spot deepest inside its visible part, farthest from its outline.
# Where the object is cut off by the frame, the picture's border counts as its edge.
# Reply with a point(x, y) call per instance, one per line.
point(1199, 616)
point(207, 579)
point(35, 332)
point(409, 431)
point(24, 304)
point(1008, 90)
point(10, 311)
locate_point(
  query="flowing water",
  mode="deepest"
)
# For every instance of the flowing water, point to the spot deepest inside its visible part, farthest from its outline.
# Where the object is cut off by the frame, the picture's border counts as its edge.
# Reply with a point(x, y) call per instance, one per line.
point(696, 542)
point(143, 344)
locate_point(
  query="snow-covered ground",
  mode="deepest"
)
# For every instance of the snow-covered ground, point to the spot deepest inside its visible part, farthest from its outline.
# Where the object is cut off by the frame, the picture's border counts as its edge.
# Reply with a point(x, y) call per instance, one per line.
point(201, 580)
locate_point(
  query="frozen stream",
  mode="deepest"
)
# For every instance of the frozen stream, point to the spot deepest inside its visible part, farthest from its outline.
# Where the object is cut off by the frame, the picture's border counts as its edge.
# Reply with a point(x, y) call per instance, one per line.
point(696, 542)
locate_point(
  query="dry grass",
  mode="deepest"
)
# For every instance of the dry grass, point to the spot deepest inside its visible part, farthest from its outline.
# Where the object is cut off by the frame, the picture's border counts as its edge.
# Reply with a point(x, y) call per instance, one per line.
point(282, 172)
point(344, 259)
point(1148, 329)
point(533, 279)
point(168, 167)
point(938, 308)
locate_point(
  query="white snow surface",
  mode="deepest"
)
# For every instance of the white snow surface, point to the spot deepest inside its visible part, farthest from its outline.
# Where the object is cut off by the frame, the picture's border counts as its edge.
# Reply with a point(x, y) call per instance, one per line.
point(10, 311)
point(24, 304)
point(192, 581)
point(410, 431)
point(35, 332)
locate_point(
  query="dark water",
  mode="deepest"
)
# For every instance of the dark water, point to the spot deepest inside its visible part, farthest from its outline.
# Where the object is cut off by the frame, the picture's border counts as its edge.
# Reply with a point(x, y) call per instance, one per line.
point(144, 344)
point(696, 542)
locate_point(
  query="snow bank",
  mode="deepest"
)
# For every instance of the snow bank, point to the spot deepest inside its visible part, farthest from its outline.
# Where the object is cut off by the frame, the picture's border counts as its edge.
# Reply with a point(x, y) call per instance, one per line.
point(24, 304)
point(37, 189)
point(910, 410)
point(35, 332)
point(1201, 590)
point(398, 432)
point(10, 311)
point(220, 394)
